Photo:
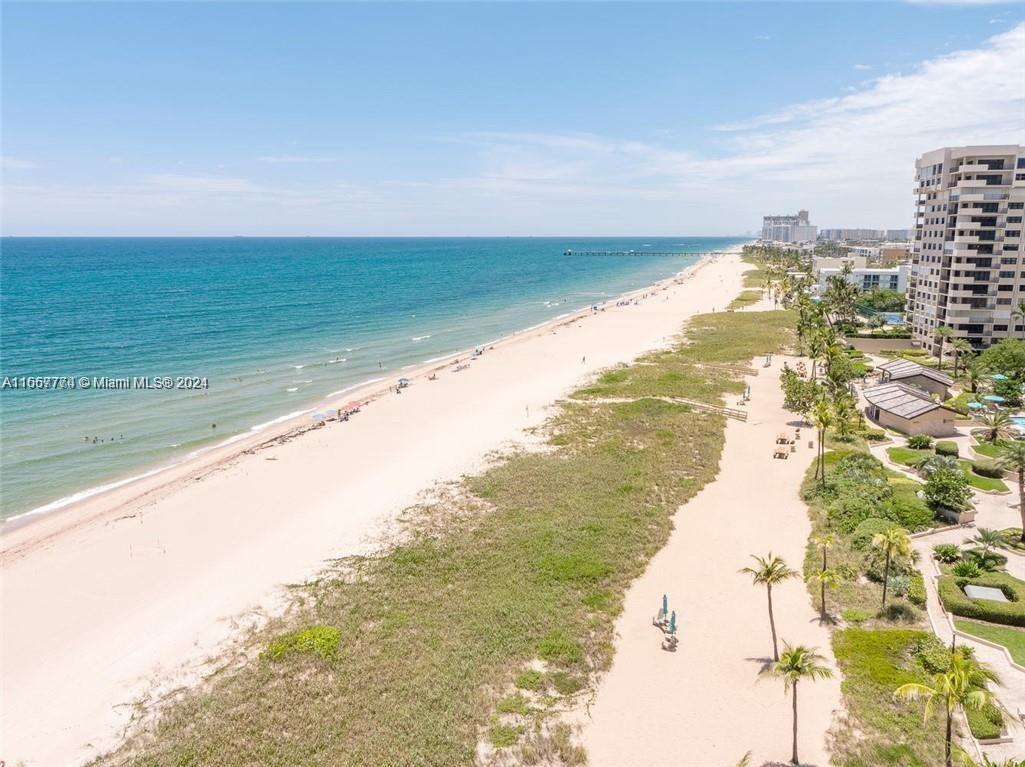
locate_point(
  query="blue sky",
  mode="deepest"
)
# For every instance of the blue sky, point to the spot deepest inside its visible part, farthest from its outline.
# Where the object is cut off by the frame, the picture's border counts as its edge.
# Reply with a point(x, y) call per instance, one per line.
point(489, 118)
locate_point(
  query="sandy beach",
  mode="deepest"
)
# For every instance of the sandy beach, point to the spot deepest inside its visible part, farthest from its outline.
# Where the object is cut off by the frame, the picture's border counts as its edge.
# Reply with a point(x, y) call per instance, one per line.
point(709, 690)
point(130, 591)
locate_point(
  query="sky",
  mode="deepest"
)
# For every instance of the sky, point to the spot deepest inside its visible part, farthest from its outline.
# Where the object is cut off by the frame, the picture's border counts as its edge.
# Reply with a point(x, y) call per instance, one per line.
point(446, 119)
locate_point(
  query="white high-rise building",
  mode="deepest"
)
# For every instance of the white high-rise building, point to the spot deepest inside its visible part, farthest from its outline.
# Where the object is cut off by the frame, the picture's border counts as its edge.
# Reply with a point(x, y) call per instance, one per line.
point(966, 265)
point(788, 228)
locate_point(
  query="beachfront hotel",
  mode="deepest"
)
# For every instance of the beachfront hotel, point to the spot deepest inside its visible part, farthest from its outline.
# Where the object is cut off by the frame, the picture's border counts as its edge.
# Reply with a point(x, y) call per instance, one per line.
point(966, 267)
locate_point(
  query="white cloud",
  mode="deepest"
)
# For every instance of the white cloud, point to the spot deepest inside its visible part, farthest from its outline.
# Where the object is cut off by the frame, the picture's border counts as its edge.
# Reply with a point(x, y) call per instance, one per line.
point(15, 163)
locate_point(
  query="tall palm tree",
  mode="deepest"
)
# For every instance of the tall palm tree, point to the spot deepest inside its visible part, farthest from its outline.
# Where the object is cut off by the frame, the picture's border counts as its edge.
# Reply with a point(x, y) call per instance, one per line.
point(770, 571)
point(962, 350)
point(1012, 458)
point(893, 540)
point(826, 579)
point(997, 426)
point(822, 417)
point(943, 333)
point(845, 414)
point(963, 687)
point(798, 663)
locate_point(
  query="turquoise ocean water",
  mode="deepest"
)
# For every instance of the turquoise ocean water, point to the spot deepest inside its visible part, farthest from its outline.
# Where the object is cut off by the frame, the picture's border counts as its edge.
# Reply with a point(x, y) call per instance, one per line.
point(272, 324)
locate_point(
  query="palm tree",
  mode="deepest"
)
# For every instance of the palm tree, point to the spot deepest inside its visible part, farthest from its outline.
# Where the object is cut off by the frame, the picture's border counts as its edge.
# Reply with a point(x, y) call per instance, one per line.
point(798, 663)
point(822, 417)
point(962, 349)
point(824, 542)
point(989, 539)
point(845, 414)
point(771, 571)
point(1012, 458)
point(826, 579)
point(893, 540)
point(964, 759)
point(997, 426)
point(943, 332)
point(963, 687)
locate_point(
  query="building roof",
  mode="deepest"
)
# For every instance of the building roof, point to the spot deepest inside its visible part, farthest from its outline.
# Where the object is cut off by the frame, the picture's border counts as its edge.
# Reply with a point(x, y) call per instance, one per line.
point(900, 400)
point(902, 368)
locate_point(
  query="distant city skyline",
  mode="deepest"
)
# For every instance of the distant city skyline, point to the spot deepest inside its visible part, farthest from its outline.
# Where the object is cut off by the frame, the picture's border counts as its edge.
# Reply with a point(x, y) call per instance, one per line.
point(490, 119)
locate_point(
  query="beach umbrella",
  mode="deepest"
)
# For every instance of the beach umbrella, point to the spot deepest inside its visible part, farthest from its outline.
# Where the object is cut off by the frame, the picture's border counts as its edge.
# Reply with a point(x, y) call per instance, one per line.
point(994, 398)
point(999, 377)
point(975, 405)
point(318, 416)
point(665, 604)
point(672, 623)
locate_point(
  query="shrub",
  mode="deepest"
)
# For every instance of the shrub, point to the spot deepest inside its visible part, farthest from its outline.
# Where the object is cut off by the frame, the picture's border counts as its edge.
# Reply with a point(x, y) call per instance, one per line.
point(862, 536)
point(908, 510)
point(513, 704)
point(845, 572)
point(855, 616)
point(932, 655)
point(946, 447)
point(874, 435)
point(916, 589)
point(948, 489)
point(321, 641)
point(566, 684)
point(948, 553)
point(966, 569)
point(529, 680)
point(951, 592)
point(920, 441)
point(849, 512)
point(987, 469)
point(899, 585)
point(503, 735)
point(560, 648)
point(988, 561)
point(933, 463)
point(900, 612)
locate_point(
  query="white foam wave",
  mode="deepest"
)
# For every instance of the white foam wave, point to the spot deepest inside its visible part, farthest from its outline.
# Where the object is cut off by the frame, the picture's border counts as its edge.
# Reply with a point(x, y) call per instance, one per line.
point(419, 338)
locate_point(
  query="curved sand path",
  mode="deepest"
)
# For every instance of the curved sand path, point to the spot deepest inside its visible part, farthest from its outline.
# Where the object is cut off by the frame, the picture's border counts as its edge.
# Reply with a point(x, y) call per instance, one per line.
point(101, 602)
point(704, 706)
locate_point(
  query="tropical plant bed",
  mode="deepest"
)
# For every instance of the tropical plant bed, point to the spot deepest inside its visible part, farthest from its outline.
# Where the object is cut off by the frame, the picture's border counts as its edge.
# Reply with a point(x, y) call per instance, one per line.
point(979, 482)
point(1007, 636)
point(1010, 613)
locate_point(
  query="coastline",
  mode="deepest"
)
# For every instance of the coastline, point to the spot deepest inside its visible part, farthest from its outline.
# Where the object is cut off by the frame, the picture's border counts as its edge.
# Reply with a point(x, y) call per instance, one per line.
point(153, 478)
point(175, 568)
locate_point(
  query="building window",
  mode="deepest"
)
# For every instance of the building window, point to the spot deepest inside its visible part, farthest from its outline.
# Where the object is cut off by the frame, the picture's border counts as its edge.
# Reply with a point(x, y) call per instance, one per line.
point(1000, 328)
point(1006, 274)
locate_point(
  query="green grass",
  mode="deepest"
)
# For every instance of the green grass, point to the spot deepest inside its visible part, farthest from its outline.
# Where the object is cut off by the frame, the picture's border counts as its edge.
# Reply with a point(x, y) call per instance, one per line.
point(1011, 613)
point(986, 484)
point(907, 456)
point(526, 562)
point(1011, 638)
point(989, 449)
point(746, 298)
point(758, 275)
point(878, 730)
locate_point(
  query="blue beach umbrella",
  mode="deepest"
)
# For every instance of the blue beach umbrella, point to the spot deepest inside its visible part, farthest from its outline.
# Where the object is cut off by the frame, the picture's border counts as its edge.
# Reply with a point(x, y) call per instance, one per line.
point(998, 377)
point(975, 406)
point(672, 623)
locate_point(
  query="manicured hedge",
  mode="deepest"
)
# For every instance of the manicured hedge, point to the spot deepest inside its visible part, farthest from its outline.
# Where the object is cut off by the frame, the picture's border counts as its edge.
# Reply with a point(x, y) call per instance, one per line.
point(946, 447)
point(1011, 613)
point(987, 469)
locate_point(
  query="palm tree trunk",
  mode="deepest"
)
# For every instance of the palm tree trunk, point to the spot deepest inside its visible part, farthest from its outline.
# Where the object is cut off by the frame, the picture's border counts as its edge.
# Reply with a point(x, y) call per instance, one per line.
point(793, 757)
point(772, 624)
point(886, 575)
point(950, 734)
point(823, 600)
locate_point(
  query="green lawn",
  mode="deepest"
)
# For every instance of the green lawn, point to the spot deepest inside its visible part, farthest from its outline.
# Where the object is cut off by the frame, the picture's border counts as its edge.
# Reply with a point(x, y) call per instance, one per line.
point(907, 456)
point(986, 484)
point(1011, 638)
point(413, 656)
point(746, 298)
point(989, 449)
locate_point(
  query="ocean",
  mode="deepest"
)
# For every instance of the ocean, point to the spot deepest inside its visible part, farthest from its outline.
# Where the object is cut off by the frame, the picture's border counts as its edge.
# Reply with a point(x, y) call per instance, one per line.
point(261, 329)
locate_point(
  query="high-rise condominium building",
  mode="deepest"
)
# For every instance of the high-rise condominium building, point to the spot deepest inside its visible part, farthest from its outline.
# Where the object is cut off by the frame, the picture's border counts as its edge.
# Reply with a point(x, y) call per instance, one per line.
point(966, 264)
point(788, 228)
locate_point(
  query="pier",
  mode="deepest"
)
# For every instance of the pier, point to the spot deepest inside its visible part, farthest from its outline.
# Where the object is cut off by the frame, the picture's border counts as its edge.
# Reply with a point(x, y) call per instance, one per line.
point(628, 253)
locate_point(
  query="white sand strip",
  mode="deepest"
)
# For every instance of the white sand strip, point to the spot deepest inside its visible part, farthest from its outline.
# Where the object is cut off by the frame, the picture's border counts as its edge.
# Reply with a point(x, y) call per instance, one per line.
point(703, 705)
point(132, 587)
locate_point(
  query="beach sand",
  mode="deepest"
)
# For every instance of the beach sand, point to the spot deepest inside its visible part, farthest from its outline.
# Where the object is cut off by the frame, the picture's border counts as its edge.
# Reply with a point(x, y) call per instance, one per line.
point(704, 705)
point(130, 591)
